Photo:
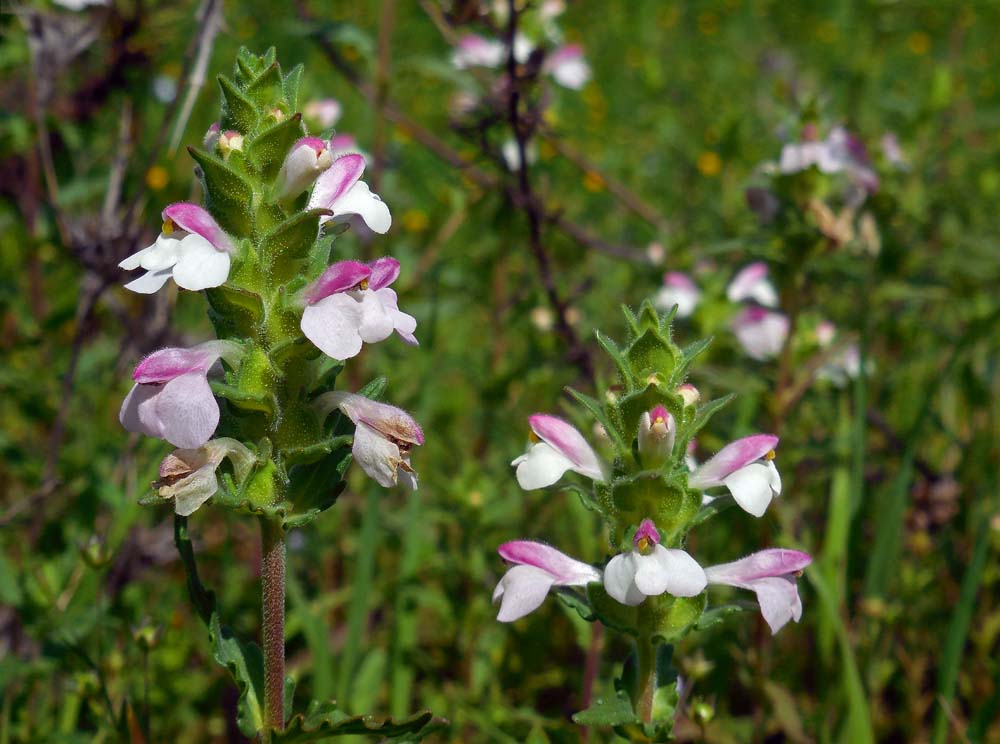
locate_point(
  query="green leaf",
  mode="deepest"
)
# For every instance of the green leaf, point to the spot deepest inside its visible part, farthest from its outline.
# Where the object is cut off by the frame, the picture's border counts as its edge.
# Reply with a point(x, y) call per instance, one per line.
point(958, 632)
point(612, 350)
point(688, 354)
point(616, 436)
point(228, 196)
point(314, 452)
point(575, 601)
point(614, 710)
point(323, 721)
point(713, 508)
point(290, 86)
point(267, 151)
point(266, 91)
point(243, 399)
point(716, 615)
point(238, 111)
point(290, 241)
point(243, 660)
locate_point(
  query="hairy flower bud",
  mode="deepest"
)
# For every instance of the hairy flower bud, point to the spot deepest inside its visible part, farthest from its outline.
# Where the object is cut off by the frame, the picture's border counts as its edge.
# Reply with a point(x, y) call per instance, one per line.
point(657, 430)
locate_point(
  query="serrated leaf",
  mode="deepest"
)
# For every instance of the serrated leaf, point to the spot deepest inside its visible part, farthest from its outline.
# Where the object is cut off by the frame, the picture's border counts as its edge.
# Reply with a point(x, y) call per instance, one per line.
point(323, 721)
point(243, 660)
point(291, 241)
point(708, 410)
point(266, 90)
point(688, 354)
point(290, 86)
point(595, 409)
point(612, 710)
point(228, 196)
point(374, 389)
point(267, 151)
point(612, 350)
point(238, 111)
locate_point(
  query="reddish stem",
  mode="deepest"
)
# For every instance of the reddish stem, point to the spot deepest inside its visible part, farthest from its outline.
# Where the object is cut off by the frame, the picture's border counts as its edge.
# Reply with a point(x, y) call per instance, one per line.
point(272, 574)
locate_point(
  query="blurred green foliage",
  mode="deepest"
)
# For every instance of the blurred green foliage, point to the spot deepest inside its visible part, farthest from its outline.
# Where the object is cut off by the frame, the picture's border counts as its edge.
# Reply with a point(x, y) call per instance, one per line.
point(891, 482)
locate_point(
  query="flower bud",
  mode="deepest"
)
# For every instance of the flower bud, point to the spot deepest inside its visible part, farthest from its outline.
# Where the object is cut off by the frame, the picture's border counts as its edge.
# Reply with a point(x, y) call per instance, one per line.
point(230, 141)
point(307, 159)
point(96, 553)
point(689, 393)
point(656, 436)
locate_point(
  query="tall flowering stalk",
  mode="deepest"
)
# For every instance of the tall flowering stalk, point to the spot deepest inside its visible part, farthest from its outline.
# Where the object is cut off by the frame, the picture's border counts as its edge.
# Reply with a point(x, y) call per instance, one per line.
point(650, 494)
point(258, 426)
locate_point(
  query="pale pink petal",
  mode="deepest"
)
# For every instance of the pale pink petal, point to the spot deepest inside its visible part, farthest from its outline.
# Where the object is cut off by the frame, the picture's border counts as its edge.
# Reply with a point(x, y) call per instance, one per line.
point(376, 322)
point(359, 200)
point(732, 457)
point(332, 325)
point(336, 180)
point(759, 565)
point(565, 439)
point(751, 283)
point(384, 272)
point(388, 420)
point(566, 571)
point(129, 416)
point(521, 590)
point(568, 67)
point(307, 159)
point(186, 410)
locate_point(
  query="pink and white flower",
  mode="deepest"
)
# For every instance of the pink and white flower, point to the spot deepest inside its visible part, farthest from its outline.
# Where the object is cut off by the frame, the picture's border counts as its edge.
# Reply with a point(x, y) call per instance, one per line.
point(325, 112)
point(678, 289)
point(751, 283)
point(650, 569)
point(558, 447)
point(171, 398)
point(191, 248)
point(383, 436)
point(771, 574)
point(341, 190)
point(308, 158)
point(657, 430)
point(351, 304)
point(568, 67)
point(745, 467)
point(840, 152)
point(538, 567)
point(188, 476)
point(475, 51)
point(761, 332)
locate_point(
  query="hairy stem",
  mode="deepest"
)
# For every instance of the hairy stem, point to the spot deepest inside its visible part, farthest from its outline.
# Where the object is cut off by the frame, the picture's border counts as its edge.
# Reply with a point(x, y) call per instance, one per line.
point(646, 653)
point(272, 575)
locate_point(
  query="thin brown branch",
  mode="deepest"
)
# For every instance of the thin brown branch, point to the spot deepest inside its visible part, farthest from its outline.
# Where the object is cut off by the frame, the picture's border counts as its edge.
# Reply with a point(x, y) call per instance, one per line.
point(209, 22)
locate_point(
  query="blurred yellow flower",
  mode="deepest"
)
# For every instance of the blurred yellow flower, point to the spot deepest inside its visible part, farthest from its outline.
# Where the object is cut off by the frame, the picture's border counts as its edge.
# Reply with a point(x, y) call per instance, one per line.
point(157, 177)
point(415, 220)
point(919, 42)
point(593, 181)
point(709, 163)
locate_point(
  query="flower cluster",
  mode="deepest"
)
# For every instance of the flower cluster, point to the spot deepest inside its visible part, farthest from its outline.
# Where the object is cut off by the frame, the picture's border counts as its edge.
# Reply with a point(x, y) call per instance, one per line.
point(651, 494)
point(258, 396)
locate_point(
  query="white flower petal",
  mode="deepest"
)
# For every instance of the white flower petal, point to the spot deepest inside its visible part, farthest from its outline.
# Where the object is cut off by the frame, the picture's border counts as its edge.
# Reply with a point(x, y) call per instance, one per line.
point(150, 282)
point(619, 580)
point(541, 466)
point(162, 254)
point(361, 201)
point(376, 322)
point(201, 265)
point(779, 601)
point(751, 487)
point(677, 572)
point(332, 325)
point(376, 455)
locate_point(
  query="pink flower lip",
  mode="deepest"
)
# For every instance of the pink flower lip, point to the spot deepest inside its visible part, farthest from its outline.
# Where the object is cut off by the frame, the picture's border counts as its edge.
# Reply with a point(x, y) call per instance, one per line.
point(315, 143)
point(678, 279)
point(166, 364)
point(338, 277)
point(731, 458)
point(647, 533)
point(195, 219)
point(561, 567)
point(384, 272)
point(659, 412)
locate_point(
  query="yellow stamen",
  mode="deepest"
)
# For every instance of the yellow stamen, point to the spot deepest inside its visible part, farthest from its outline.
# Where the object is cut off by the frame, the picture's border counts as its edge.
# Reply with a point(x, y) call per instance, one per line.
point(643, 544)
point(533, 438)
point(770, 455)
point(363, 284)
point(168, 226)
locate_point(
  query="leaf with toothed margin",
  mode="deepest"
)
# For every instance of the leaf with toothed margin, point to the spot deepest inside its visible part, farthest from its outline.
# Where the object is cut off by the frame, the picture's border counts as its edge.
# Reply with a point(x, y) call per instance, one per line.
point(266, 90)
point(624, 371)
point(291, 241)
point(267, 151)
point(611, 710)
point(323, 721)
point(290, 86)
point(228, 196)
point(238, 111)
point(688, 355)
point(616, 436)
point(243, 660)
